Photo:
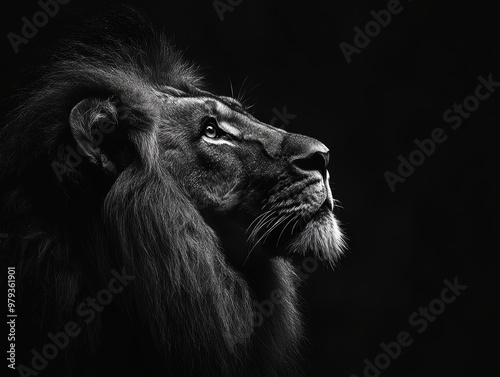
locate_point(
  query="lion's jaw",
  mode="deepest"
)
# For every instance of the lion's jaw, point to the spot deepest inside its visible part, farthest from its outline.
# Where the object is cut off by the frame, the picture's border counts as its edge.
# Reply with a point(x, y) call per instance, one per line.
point(315, 232)
point(320, 237)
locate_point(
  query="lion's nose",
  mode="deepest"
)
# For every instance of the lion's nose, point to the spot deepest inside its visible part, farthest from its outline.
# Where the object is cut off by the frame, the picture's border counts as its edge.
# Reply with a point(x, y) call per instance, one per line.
point(315, 161)
point(307, 153)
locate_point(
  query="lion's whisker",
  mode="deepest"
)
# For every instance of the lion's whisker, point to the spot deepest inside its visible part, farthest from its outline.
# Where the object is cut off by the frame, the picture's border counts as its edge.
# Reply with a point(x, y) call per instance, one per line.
point(294, 225)
point(268, 217)
point(245, 92)
point(265, 225)
point(337, 203)
point(266, 222)
point(280, 221)
point(256, 222)
point(239, 97)
point(279, 237)
point(231, 84)
point(257, 218)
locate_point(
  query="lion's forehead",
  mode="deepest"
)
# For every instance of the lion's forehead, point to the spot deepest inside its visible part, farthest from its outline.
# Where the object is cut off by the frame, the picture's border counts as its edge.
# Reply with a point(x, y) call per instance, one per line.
point(231, 118)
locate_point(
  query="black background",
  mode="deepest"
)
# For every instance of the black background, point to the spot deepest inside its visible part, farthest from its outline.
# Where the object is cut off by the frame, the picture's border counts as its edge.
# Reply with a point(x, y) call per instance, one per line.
point(441, 223)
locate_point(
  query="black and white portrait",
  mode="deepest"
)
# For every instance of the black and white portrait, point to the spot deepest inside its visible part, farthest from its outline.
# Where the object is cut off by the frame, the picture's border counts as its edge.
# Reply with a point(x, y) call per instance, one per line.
point(235, 188)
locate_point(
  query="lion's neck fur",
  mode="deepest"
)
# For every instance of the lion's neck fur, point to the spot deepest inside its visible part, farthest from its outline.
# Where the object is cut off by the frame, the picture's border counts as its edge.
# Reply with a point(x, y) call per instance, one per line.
point(215, 302)
point(199, 311)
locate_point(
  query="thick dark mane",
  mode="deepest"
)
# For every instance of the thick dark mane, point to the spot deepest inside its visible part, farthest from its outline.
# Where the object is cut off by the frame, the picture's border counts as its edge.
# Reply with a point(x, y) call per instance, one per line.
point(66, 237)
point(118, 53)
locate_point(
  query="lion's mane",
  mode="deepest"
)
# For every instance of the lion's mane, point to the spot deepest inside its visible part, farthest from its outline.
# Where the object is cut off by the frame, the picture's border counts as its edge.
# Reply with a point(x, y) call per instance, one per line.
point(187, 311)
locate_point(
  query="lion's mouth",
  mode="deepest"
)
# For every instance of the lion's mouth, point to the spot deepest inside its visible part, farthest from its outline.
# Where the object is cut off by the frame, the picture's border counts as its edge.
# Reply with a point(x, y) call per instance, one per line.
point(313, 217)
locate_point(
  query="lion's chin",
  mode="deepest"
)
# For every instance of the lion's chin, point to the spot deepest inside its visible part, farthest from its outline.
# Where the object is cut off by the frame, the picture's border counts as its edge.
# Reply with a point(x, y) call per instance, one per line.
point(321, 237)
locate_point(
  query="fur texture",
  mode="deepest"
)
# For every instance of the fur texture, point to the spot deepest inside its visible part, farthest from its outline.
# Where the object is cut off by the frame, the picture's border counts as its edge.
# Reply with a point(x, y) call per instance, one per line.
point(103, 167)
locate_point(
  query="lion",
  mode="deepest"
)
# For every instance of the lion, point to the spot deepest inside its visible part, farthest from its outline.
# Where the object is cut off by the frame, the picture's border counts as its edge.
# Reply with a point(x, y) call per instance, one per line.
point(118, 166)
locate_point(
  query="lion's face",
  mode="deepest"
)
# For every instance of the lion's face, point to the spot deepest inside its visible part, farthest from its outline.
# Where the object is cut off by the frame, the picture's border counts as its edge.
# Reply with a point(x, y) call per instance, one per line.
point(249, 178)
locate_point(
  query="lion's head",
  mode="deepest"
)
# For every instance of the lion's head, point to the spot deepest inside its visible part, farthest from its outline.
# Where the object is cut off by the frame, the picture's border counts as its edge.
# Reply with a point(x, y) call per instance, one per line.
point(119, 158)
point(257, 186)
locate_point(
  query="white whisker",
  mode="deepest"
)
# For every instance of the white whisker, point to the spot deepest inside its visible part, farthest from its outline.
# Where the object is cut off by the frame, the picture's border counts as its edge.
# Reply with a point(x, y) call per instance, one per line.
point(279, 237)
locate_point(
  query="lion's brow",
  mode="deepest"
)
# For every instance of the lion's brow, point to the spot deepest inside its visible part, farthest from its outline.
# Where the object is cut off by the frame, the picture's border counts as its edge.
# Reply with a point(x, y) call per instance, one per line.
point(230, 100)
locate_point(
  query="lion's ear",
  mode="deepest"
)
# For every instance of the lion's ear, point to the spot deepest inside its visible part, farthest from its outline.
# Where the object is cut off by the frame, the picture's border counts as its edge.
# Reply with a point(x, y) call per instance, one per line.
point(97, 127)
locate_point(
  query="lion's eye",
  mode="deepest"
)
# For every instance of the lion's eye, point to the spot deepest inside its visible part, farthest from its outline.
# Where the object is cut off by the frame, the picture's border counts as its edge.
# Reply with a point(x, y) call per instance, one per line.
point(210, 128)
